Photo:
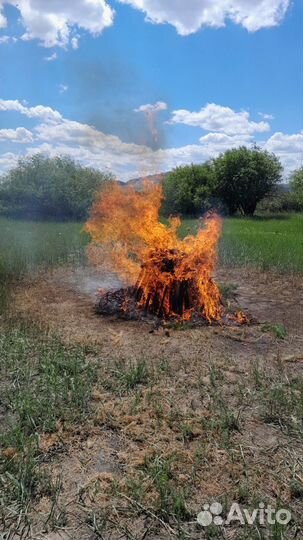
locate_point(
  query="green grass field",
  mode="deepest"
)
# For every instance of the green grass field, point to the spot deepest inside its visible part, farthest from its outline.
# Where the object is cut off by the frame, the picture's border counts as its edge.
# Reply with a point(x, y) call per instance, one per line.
point(265, 242)
point(26, 247)
point(268, 243)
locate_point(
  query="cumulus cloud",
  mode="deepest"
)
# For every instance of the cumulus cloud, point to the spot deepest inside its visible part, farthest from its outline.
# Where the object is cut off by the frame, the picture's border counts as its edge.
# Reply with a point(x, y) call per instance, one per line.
point(214, 117)
point(188, 17)
point(286, 143)
point(40, 112)
point(54, 134)
point(287, 147)
point(8, 160)
point(156, 107)
point(19, 135)
point(52, 21)
point(215, 143)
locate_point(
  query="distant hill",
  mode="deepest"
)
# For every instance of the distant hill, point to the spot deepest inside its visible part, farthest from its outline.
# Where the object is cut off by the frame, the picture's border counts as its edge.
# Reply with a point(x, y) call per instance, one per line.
point(137, 183)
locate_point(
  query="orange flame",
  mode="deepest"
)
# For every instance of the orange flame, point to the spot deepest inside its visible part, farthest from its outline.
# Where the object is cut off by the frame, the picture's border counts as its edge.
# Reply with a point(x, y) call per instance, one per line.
point(125, 224)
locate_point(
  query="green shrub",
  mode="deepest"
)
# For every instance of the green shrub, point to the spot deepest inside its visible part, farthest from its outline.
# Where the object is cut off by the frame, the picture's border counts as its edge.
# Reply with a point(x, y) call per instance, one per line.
point(188, 190)
point(50, 188)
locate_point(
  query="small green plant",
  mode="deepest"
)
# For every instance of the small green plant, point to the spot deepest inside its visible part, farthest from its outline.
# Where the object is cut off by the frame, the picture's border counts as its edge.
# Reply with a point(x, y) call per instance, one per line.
point(228, 291)
point(283, 405)
point(171, 499)
point(180, 326)
point(186, 432)
point(278, 330)
point(258, 376)
point(222, 422)
point(244, 493)
point(136, 403)
point(135, 487)
point(164, 366)
point(216, 376)
point(128, 376)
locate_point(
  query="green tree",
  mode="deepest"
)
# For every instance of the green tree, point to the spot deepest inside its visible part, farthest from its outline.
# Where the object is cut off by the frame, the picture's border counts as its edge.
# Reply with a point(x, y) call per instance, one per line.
point(244, 177)
point(188, 190)
point(40, 188)
point(296, 183)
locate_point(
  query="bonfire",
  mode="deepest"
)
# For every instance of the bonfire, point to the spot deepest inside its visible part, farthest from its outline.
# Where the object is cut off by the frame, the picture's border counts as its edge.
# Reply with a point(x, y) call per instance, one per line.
point(165, 276)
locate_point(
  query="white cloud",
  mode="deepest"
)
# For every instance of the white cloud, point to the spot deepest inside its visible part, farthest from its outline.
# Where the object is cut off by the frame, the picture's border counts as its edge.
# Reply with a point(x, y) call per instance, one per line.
point(288, 147)
point(51, 21)
point(19, 135)
point(4, 39)
point(40, 112)
point(63, 88)
point(51, 58)
point(7, 39)
point(216, 118)
point(7, 161)
point(154, 108)
point(97, 149)
point(3, 21)
point(55, 135)
point(216, 143)
point(266, 116)
point(286, 143)
point(188, 17)
point(75, 42)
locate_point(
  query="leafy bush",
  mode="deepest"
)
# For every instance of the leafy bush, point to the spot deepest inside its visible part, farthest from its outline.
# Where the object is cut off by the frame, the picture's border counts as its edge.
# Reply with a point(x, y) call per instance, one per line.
point(188, 190)
point(296, 182)
point(296, 188)
point(281, 202)
point(244, 177)
point(50, 188)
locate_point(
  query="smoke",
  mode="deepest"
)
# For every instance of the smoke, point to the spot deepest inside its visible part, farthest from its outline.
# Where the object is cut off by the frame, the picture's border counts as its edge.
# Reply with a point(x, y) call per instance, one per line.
point(150, 113)
point(87, 280)
point(130, 128)
point(106, 92)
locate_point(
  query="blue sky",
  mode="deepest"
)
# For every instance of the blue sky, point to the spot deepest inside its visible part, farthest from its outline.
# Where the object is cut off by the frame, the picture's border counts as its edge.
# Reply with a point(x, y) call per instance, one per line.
point(140, 86)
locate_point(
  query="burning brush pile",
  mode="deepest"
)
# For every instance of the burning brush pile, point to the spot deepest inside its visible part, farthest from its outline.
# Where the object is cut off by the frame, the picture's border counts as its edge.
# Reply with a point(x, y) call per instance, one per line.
point(166, 278)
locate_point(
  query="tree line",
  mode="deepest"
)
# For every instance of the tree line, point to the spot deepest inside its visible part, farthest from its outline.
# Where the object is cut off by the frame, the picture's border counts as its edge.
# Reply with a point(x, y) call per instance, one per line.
point(238, 181)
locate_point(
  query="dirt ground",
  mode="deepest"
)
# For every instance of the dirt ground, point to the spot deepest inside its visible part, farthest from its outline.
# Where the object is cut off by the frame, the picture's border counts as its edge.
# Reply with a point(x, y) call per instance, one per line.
point(204, 409)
